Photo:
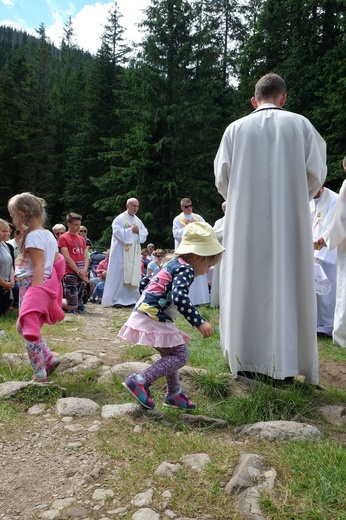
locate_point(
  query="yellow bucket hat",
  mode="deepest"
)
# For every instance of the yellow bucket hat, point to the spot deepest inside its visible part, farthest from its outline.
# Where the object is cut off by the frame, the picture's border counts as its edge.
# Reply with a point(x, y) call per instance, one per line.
point(199, 238)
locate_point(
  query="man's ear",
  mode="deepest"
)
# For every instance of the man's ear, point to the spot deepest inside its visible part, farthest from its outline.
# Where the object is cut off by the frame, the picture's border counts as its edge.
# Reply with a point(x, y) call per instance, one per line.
point(254, 102)
point(283, 99)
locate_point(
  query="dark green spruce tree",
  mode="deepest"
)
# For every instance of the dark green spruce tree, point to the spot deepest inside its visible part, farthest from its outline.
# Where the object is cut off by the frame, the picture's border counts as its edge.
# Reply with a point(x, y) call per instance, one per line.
point(304, 43)
point(170, 115)
point(69, 103)
point(99, 123)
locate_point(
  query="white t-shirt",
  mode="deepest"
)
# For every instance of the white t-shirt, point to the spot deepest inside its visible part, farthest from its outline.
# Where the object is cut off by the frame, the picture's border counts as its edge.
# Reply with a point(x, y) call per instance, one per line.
point(44, 240)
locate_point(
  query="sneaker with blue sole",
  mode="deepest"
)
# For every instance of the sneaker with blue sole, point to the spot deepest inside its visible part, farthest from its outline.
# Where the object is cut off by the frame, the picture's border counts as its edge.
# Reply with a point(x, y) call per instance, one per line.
point(179, 401)
point(140, 391)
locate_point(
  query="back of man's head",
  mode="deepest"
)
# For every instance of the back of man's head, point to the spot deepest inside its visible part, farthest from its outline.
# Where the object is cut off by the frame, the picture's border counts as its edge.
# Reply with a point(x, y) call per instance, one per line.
point(270, 85)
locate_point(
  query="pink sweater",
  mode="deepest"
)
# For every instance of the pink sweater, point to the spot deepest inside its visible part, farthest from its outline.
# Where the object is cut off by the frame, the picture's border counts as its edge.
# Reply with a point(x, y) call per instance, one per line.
point(42, 304)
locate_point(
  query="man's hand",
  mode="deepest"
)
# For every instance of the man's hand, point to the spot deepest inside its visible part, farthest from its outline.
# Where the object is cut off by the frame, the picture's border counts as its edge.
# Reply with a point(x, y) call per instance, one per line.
point(135, 229)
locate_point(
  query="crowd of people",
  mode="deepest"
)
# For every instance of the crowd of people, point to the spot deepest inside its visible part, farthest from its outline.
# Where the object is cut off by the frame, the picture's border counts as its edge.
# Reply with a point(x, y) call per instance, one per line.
point(255, 263)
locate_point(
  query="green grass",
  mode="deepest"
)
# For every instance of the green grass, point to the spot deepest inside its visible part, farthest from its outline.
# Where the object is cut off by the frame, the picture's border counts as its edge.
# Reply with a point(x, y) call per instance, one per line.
point(311, 480)
point(327, 350)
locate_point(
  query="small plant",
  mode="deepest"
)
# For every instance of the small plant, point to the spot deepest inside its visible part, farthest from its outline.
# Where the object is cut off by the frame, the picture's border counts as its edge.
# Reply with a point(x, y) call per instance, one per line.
point(213, 384)
point(34, 394)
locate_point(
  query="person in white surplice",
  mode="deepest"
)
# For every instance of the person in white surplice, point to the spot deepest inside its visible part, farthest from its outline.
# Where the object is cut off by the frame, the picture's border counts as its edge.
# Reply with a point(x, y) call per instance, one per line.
point(335, 236)
point(322, 208)
point(199, 290)
point(269, 165)
point(124, 268)
point(215, 283)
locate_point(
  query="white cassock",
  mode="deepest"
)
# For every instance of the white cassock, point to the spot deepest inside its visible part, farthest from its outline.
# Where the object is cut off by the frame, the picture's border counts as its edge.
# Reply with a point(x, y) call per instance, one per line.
point(322, 210)
point(215, 283)
point(335, 236)
point(268, 167)
point(199, 290)
point(120, 288)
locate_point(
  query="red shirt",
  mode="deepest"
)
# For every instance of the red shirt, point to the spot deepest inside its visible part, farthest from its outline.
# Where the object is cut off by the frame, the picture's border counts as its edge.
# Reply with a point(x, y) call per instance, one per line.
point(76, 247)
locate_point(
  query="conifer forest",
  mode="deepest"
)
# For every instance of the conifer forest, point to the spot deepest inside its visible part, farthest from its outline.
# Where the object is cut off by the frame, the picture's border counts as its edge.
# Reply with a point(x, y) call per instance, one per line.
point(86, 132)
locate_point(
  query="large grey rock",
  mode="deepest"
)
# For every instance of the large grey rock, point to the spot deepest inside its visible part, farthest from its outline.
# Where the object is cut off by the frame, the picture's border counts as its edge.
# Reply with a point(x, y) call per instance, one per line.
point(15, 360)
point(10, 388)
point(143, 499)
point(77, 407)
point(334, 414)
point(166, 469)
point(195, 461)
point(245, 474)
point(116, 410)
point(146, 514)
point(283, 430)
point(79, 361)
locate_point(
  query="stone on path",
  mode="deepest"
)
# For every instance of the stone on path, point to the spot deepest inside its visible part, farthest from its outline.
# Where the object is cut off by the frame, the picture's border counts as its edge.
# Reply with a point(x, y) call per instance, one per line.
point(77, 407)
point(117, 410)
point(146, 514)
point(283, 430)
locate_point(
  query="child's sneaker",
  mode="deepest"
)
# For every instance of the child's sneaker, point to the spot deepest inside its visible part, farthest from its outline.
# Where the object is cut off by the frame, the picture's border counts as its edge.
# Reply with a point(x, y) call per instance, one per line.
point(139, 391)
point(179, 401)
point(51, 368)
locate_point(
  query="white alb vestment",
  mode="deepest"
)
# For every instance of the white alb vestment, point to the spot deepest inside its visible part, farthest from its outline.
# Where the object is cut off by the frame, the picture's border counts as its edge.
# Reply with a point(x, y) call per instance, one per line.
point(199, 290)
point(215, 282)
point(124, 273)
point(322, 210)
point(268, 167)
point(335, 236)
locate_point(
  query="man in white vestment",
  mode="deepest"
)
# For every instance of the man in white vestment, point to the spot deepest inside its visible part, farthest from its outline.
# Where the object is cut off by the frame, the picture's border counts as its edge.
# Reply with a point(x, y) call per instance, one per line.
point(215, 282)
point(269, 165)
point(199, 289)
point(335, 237)
point(124, 268)
point(322, 208)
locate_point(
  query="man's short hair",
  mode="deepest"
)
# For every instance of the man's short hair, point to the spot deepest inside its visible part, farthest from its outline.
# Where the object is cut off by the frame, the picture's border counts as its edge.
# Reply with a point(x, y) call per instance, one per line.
point(72, 216)
point(269, 85)
point(185, 201)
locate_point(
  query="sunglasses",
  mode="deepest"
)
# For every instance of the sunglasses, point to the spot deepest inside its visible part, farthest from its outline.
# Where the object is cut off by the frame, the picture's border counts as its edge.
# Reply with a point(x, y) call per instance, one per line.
point(158, 256)
point(82, 230)
point(189, 206)
point(59, 233)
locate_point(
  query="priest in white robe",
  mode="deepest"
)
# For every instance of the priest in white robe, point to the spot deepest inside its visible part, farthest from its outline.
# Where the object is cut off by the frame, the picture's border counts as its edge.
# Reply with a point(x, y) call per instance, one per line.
point(322, 208)
point(269, 165)
point(124, 268)
point(199, 289)
point(335, 237)
point(215, 281)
